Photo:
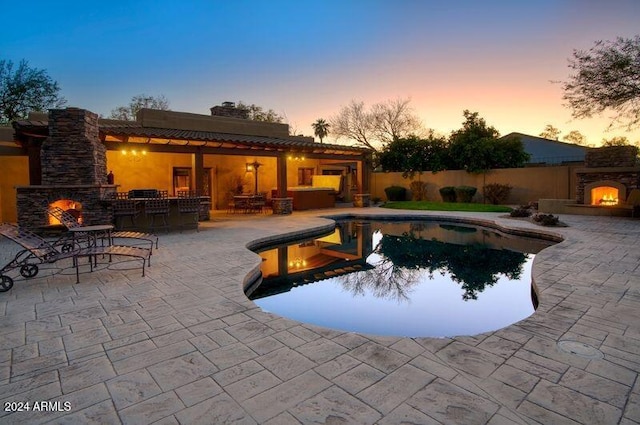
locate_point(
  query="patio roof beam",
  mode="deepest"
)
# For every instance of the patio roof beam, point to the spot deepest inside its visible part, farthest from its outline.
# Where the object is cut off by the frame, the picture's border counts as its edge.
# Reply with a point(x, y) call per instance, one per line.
point(238, 150)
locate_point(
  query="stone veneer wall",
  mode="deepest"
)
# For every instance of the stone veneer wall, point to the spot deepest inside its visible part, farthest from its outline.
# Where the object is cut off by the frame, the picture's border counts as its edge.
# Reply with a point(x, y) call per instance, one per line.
point(629, 178)
point(229, 111)
point(73, 153)
point(74, 167)
point(609, 164)
point(282, 206)
point(611, 156)
point(33, 201)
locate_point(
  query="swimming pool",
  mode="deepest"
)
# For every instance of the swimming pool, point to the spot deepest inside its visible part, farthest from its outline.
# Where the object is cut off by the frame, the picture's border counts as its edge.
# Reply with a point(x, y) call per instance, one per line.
point(412, 278)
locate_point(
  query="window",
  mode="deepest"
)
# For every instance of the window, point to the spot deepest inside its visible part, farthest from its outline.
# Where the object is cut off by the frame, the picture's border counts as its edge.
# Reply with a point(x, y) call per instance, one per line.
point(304, 176)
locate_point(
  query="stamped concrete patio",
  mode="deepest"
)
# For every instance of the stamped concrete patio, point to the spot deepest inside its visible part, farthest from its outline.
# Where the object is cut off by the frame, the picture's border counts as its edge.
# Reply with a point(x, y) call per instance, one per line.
point(183, 345)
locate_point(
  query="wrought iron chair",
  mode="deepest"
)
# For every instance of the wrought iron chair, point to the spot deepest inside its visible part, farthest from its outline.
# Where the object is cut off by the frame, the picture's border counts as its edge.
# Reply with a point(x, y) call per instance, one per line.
point(39, 251)
point(123, 208)
point(68, 221)
point(189, 207)
point(157, 208)
point(258, 202)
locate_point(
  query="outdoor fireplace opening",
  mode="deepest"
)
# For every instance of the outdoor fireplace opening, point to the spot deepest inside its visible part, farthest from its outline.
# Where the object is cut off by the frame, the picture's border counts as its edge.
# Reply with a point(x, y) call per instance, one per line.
point(72, 207)
point(604, 195)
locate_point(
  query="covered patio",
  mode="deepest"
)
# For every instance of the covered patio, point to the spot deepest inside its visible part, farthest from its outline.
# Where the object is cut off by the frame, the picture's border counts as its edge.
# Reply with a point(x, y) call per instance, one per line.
point(213, 156)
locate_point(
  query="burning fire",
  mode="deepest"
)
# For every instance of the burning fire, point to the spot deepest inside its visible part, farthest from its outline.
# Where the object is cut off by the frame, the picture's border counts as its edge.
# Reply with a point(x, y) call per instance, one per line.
point(72, 207)
point(604, 195)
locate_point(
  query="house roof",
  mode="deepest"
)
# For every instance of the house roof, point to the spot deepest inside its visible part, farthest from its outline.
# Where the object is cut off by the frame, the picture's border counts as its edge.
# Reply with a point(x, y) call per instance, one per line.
point(550, 151)
point(114, 132)
point(180, 137)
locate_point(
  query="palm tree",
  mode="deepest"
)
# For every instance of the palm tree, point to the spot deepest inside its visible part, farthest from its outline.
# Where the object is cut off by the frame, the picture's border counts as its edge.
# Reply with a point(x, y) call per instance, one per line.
point(320, 128)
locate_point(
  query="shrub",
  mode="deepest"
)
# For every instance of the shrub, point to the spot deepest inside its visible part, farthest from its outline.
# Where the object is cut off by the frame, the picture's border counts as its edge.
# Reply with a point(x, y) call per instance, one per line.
point(465, 193)
point(448, 193)
point(497, 193)
point(522, 211)
point(546, 219)
point(419, 190)
point(396, 193)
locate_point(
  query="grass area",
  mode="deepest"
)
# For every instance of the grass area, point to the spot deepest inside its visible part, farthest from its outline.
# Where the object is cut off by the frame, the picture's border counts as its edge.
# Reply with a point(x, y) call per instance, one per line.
point(445, 206)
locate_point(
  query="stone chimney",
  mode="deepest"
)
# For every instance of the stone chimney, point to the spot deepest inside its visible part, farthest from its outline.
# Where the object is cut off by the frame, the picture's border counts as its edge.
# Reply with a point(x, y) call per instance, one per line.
point(73, 153)
point(229, 109)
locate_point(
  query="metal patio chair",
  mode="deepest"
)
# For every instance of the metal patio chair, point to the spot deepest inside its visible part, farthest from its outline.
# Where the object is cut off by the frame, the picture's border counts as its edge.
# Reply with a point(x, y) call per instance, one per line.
point(37, 251)
point(189, 207)
point(68, 221)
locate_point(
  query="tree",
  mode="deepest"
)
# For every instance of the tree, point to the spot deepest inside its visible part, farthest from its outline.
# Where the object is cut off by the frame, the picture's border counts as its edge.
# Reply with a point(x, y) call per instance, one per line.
point(616, 141)
point(129, 112)
point(26, 89)
point(476, 147)
point(355, 123)
point(550, 132)
point(413, 154)
point(373, 127)
point(257, 113)
point(576, 137)
point(394, 119)
point(321, 128)
point(607, 77)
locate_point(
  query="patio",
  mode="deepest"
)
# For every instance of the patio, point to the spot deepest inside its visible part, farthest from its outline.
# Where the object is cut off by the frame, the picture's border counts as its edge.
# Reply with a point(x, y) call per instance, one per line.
point(184, 345)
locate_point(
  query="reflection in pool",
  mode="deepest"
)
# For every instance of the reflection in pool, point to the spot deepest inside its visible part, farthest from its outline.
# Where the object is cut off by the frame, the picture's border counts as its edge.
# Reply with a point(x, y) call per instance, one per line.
point(417, 279)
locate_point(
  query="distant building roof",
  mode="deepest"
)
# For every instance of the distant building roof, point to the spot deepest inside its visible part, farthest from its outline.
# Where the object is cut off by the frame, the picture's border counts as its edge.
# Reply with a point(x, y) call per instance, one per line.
point(547, 151)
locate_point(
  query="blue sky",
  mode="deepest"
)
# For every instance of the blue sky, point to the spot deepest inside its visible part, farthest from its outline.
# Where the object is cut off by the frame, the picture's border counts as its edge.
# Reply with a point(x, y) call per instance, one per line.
point(307, 59)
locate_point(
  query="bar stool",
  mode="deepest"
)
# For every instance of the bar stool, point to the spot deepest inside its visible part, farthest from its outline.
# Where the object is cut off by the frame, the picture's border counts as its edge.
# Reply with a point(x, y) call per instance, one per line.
point(157, 207)
point(189, 207)
point(123, 208)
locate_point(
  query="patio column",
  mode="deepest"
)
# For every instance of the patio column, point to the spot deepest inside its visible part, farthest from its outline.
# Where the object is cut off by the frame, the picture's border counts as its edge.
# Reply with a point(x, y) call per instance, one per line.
point(197, 162)
point(281, 204)
point(363, 197)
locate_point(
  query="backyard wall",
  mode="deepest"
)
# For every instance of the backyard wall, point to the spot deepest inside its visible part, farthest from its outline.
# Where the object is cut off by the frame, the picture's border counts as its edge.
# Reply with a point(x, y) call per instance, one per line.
point(529, 184)
point(15, 172)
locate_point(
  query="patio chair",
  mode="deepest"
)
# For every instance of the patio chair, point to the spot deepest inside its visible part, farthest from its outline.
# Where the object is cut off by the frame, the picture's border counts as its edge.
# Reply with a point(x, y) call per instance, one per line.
point(258, 202)
point(40, 251)
point(189, 207)
point(157, 208)
point(68, 221)
point(123, 208)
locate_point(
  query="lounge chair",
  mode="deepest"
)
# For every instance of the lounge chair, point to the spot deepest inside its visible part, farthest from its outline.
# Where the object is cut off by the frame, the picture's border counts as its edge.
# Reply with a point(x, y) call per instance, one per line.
point(40, 251)
point(69, 221)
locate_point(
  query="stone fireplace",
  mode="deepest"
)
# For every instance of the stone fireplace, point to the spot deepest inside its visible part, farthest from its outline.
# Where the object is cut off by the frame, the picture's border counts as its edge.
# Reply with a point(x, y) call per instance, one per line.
point(609, 175)
point(74, 173)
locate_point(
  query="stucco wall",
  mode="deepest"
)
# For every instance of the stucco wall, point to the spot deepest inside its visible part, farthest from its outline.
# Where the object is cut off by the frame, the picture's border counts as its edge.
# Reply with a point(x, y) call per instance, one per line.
point(15, 172)
point(155, 171)
point(529, 184)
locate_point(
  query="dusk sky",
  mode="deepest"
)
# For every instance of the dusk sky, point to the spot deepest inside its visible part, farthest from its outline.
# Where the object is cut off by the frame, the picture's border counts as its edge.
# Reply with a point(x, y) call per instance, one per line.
point(307, 59)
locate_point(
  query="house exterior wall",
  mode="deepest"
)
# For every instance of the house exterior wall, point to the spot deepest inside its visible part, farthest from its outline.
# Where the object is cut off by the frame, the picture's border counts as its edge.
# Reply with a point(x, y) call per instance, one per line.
point(529, 184)
point(15, 172)
point(155, 171)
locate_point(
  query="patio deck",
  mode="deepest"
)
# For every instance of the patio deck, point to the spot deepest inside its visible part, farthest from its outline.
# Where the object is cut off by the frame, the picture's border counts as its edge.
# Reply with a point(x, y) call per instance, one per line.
point(183, 345)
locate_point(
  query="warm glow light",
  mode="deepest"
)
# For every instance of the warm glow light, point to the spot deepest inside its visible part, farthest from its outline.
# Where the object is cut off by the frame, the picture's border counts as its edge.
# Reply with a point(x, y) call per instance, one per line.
point(133, 154)
point(297, 263)
point(604, 195)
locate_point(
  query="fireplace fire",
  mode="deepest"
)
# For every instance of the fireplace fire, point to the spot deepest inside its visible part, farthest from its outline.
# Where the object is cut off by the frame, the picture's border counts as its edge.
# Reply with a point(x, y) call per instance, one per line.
point(604, 195)
point(72, 207)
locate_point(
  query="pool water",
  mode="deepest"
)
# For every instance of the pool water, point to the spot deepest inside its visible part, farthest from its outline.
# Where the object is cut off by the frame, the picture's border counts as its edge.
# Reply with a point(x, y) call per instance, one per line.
point(415, 279)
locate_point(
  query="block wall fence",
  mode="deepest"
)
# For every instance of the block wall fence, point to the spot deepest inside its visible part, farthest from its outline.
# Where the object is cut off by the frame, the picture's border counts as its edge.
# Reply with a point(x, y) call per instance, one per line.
point(529, 184)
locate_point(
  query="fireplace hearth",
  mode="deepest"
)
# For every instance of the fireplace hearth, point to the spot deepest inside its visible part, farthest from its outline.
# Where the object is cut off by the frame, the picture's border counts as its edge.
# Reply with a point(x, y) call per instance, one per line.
point(74, 173)
point(610, 174)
